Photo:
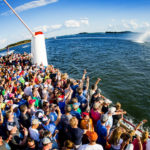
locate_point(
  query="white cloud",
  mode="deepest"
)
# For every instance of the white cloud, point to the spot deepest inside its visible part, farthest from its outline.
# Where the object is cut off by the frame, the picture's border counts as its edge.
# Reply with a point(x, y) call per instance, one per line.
point(146, 24)
point(130, 24)
point(84, 21)
point(32, 4)
point(43, 28)
point(76, 23)
point(56, 26)
point(133, 24)
point(72, 23)
point(46, 28)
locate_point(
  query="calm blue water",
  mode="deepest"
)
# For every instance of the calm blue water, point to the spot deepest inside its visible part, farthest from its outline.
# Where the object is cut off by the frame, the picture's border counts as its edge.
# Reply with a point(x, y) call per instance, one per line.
point(123, 65)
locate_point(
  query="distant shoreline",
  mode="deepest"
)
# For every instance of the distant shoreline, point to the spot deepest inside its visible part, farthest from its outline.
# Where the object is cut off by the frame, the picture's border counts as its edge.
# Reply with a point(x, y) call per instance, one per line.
point(16, 44)
point(29, 41)
point(106, 32)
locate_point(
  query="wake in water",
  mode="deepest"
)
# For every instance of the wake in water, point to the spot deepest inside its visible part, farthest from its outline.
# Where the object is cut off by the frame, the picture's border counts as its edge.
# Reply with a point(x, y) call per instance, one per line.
point(144, 37)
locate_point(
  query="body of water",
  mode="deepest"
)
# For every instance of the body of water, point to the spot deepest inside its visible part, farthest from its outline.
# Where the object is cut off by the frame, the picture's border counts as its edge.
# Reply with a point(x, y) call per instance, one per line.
point(122, 64)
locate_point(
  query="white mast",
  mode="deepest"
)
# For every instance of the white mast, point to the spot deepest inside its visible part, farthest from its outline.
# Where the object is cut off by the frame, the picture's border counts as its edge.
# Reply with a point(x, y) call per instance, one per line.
point(38, 48)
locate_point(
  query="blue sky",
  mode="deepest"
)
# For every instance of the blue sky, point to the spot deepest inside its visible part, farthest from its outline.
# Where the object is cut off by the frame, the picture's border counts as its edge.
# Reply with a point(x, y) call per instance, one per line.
point(61, 17)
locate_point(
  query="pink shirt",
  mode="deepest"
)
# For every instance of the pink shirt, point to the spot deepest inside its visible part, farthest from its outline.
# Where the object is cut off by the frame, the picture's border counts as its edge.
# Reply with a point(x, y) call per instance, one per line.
point(95, 115)
point(136, 145)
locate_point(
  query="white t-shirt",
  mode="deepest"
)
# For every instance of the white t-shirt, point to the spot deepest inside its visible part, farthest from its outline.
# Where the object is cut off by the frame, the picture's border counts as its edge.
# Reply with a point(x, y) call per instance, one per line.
point(148, 145)
point(129, 147)
point(118, 146)
point(34, 134)
point(28, 91)
point(90, 147)
point(109, 122)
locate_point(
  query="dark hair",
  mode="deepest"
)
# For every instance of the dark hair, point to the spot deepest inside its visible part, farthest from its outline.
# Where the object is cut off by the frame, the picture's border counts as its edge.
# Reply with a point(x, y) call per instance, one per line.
point(30, 139)
point(23, 108)
point(125, 136)
point(68, 108)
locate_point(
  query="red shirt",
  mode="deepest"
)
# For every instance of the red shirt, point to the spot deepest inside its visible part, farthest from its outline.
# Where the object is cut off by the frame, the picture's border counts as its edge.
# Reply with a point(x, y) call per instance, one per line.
point(136, 145)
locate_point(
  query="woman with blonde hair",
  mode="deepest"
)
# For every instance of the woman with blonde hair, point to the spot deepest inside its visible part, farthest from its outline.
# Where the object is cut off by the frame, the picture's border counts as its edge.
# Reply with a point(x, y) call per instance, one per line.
point(75, 133)
point(115, 139)
point(117, 118)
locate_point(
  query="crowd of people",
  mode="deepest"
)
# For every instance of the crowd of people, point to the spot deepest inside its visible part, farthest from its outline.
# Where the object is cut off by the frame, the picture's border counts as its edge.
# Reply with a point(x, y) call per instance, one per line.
point(43, 109)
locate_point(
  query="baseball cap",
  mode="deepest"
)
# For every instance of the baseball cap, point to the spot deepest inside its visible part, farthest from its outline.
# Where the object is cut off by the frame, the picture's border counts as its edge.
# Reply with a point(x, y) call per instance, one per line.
point(46, 141)
point(61, 97)
point(19, 96)
point(92, 135)
point(85, 114)
point(111, 110)
point(8, 101)
point(26, 83)
point(78, 104)
point(10, 125)
point(15, 106)
point(36, 86)
point(31, 101)
point(107, 101)
point(44, 119)
point(104, 117)
point(39, 114)
point(35, 121)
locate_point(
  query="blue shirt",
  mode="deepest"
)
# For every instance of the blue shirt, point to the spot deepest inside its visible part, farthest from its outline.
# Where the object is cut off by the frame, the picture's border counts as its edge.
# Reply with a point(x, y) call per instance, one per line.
point(62, 106)
point(74, 87)
point(17, 113)
point(102, 133)
point(53, 116)
point(50, 127)
point(81, 99)
point(22, 102)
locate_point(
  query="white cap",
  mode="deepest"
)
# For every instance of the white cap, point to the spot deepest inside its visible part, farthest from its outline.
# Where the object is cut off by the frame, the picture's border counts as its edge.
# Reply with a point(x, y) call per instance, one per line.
point(35, 121)
point(104, 117)
point(46, 141)
point(45, 119)
point(39, 113)
point(10, 125)
point(111, 110)
point(26, 83)
point(19, 96)
point(107, 101)
point(15, 106)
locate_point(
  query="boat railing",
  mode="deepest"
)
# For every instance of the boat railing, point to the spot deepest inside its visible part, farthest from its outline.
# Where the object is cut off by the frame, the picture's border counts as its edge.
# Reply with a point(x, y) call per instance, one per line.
point(132, 125)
